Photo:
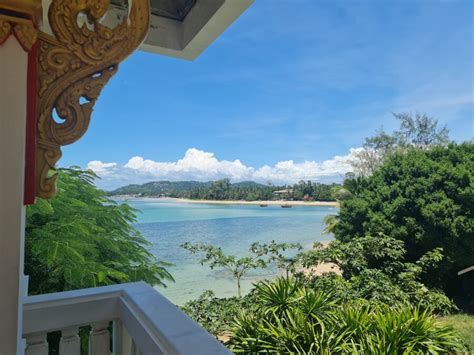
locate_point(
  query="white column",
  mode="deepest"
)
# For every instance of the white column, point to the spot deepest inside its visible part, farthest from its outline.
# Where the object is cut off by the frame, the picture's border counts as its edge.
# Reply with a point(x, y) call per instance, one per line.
point(13, 74)
point(99, 341)
point(70, 343)
point(123, 342)
point(118, 337)
point(37, 344)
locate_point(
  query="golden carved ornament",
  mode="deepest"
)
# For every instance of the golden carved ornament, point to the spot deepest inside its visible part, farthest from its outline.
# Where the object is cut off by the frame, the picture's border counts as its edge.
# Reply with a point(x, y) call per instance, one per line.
point(74, 66)
point(26, 34)
point(20, 17)
point(5, 29)
point(24, 30)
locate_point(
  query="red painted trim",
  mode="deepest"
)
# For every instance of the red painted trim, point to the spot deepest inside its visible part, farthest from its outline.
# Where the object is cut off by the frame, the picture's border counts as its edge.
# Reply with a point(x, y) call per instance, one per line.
point(31, 104)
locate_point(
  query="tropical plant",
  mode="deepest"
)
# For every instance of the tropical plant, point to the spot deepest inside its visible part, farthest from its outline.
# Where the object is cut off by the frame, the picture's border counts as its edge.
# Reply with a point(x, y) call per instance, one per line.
point(223, 189)
point(420, 131)
point(464, 325)
point(262, 255)
point(330, 223)
point(275, 254)
point(217, 314)
point(81, 238)
point(374, 268)
point(425, 199)
point(296, 319)
point(308, 190)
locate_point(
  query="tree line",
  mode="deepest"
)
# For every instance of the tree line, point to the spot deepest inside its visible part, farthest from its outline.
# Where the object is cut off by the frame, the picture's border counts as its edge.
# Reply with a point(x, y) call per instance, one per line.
point(223, 189)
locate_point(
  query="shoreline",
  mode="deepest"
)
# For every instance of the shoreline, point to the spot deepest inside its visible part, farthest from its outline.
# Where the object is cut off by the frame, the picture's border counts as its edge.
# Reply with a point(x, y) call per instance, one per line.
point(233, 202)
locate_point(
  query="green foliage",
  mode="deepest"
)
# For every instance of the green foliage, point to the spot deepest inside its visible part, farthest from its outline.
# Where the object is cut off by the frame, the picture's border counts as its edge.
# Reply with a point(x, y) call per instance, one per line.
point(425, 199)
point(217, 314)
point(307, 190)
point(159, 188)
point(274, 253)
point(81, 238)
point(250, 191)
point(419, 132)
point(223, 189)
point(464, 325)
point(262, 255)
point(374, 268)
point(297, 319)
point(330, 223)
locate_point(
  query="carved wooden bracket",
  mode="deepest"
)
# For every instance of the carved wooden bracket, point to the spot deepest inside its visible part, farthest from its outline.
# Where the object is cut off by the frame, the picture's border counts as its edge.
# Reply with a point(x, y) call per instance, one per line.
point(74, 66)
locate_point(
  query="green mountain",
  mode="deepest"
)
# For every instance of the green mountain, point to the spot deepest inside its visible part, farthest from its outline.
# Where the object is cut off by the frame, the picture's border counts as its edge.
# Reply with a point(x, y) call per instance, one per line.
point(173, 188)
point(159, 188)
point(224, 190)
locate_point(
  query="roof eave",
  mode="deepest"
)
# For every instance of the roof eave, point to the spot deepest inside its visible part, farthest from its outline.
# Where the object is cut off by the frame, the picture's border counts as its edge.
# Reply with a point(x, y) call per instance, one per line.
point(202, 25)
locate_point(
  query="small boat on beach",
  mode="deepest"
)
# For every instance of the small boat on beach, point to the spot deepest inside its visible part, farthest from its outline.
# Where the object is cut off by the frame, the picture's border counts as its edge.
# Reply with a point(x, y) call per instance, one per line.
point(286, 206)
point(263, 205)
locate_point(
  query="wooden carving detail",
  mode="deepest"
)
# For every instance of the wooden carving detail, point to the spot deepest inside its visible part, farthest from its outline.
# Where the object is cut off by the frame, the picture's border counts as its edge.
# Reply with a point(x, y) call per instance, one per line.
point(26, 34)
point(5, 29)
point(74, 66)
point(24, 31)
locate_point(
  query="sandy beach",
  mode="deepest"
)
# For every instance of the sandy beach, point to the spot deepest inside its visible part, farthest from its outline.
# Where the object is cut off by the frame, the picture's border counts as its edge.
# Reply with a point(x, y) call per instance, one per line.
point(322, 268)
point(237, 202)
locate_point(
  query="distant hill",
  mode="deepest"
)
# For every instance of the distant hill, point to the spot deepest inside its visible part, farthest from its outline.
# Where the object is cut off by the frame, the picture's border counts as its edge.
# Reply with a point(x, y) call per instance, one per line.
point(159, 188)
point(223, 190)
point(167, 188)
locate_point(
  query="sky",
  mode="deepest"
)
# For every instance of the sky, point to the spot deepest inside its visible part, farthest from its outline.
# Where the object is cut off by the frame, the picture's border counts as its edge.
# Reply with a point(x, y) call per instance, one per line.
point(288, 92)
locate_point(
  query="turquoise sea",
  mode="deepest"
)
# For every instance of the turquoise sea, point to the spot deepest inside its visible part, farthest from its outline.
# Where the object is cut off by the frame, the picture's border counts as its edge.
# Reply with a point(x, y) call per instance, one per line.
point(168, 224)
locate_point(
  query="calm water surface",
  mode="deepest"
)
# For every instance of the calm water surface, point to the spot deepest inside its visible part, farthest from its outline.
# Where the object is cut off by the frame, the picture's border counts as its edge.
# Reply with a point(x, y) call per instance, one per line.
point(232, 227)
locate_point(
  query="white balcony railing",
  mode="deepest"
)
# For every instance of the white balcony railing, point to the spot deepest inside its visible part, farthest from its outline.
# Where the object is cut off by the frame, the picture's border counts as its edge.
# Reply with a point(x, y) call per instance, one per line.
point(143, 321)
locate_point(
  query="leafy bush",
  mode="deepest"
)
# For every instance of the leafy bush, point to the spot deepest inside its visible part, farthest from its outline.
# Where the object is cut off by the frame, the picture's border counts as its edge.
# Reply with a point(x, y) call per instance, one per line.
point(297, 319)
point(464, 325)
point(423, 197)
point(260, 257)
point(217, 314)
point(374, 268)
point(81, 238)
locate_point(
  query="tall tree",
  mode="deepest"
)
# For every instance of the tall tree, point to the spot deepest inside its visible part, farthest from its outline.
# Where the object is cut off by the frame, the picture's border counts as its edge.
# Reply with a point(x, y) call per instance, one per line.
point(81, 238)
point(419, 131)
point(425, 198)
point(261, 256)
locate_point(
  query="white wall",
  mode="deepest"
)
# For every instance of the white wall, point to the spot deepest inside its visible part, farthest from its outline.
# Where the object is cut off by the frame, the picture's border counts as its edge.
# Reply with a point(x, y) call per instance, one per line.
point(13, 75)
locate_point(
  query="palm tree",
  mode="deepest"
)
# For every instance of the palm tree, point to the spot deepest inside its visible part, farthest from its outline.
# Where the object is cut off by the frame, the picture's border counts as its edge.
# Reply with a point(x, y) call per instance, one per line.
point(330, 221)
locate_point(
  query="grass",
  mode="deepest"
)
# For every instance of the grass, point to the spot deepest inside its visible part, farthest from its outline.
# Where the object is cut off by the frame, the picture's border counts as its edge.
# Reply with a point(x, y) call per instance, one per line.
point(462, 323)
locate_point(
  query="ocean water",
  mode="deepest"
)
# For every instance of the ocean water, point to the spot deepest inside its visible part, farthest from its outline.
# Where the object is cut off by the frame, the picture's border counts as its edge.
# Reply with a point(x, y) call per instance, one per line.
point(168, 224)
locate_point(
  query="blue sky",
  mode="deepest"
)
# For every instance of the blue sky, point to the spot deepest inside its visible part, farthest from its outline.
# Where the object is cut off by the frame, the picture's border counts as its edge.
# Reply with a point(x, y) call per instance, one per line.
point(291, 82)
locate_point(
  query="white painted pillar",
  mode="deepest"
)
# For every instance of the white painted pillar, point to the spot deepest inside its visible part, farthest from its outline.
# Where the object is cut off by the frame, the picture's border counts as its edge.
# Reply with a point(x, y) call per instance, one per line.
point(99, 341)
point(70, 343)
point(13, 76)
point(37, 344)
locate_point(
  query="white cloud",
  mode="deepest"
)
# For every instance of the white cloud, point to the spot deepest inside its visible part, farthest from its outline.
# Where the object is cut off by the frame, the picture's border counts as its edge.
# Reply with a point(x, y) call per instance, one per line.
point(101, 168)
point(204, 166)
